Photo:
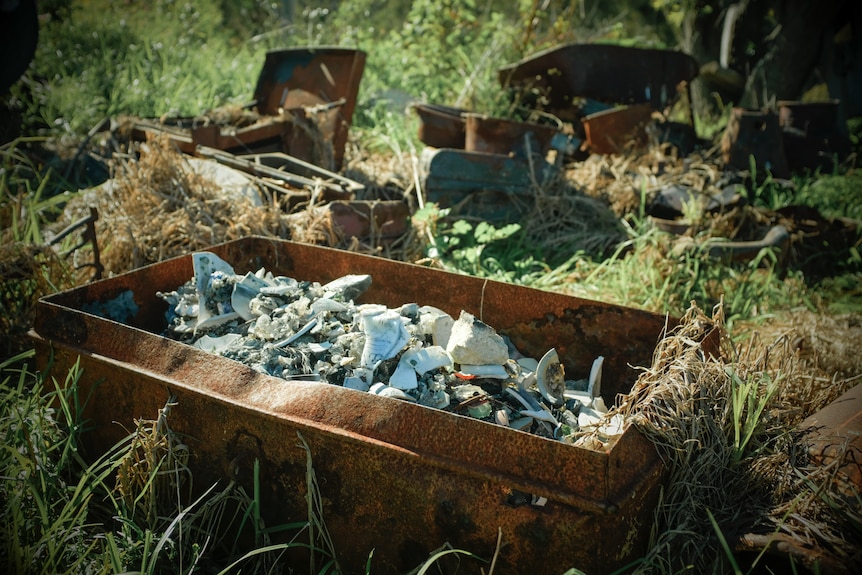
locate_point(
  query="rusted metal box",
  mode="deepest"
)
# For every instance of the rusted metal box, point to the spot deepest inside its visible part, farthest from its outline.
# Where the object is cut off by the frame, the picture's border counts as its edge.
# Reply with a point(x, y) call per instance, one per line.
point(397, 478)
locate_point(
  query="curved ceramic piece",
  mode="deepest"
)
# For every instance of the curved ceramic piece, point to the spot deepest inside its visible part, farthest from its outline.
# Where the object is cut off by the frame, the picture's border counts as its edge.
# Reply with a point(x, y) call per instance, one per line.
point(205, 264)
point(489, 371)
point(215, 344)
point(524, 398)
point(595, 387)
point(550, 378)
point(404, 376)
point(385, 335)
point(540, 414)
point(389, 391)
point(215, 320)
point(299, 333)
point(244, 291)
point(424, 359)
point(501, 417)
point(347, 287)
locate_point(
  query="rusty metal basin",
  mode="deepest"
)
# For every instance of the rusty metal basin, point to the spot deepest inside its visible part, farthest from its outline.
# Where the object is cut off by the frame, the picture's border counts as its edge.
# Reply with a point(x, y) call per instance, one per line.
point(401, 479)
point(612, 131)
point(504, 136)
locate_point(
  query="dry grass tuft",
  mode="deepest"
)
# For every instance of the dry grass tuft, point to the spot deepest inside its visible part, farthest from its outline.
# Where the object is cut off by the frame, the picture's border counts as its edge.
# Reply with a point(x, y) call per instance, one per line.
point(726, 428)
point(27, 272)
point(157, 207)
point(153, 475)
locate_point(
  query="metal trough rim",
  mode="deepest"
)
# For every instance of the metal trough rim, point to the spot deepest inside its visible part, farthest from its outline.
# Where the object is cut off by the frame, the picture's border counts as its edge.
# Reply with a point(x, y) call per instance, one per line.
point(542, 465)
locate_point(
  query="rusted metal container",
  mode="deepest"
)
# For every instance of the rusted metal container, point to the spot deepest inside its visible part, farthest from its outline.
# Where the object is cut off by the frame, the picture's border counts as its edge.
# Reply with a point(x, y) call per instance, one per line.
point(613, 131)
point(441, 126)
point(603, 72)
point(754, 133)
point(812, 134)
point(397, 478)
point(324, 77)
point(505, 136)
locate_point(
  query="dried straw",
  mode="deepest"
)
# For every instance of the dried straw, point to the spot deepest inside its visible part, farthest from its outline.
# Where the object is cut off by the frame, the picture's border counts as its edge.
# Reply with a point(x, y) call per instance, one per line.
point(684, 404)
point(159, 207)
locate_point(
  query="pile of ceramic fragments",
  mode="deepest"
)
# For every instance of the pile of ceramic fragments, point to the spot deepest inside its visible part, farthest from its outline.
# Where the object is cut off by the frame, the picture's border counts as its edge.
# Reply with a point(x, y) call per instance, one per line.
point(303, 330)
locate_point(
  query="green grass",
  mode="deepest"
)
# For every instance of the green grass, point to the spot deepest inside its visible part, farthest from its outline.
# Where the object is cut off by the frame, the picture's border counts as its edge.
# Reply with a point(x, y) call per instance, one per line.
point(63, 513)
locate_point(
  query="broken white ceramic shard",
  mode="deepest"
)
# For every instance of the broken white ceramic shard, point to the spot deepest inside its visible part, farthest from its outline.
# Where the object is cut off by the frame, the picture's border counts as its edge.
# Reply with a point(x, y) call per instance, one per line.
point(325, 304)
point(281, 285)
point(473, 342)
point(501, 416)
point(319, 348)
point(540, 414)
point(489, 371)
point(404, 376)
point(389, 391)
point(347, 287)
point(582, 396)
point(595, 386)
point(612, 427)
point(205, 264)
point(436, 323)
point(215, 320)
point(385, 335)
point(598, 404)
point(424, 359)
point(215, 344)
point(244, 291)
point(588, 418)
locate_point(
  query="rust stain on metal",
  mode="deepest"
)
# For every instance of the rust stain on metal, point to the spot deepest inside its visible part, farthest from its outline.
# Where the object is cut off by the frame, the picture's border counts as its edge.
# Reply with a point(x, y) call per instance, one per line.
point(836, 431)
point(422, 475)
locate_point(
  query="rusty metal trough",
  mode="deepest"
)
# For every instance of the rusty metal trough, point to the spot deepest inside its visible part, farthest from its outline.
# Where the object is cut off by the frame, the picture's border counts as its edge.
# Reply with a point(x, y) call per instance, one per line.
point(398, 478)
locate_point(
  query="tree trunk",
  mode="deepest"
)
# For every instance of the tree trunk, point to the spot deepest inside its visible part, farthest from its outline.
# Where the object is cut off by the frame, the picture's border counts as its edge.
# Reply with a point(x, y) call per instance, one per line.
point(781, 73)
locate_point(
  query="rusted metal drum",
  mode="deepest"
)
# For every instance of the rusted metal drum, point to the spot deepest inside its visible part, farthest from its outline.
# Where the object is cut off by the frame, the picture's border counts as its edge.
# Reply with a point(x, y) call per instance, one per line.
point(397, 478)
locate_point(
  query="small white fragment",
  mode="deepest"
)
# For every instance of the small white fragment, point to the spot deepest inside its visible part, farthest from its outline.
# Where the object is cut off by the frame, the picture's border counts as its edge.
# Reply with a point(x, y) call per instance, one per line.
point(489, 371)
point(539, 501)
point(424, 359)
point(404, 376)
point(595, 387)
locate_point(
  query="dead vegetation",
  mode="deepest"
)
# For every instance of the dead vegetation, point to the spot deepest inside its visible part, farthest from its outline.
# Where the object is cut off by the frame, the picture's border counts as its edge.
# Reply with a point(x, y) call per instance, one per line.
point(739, 472)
